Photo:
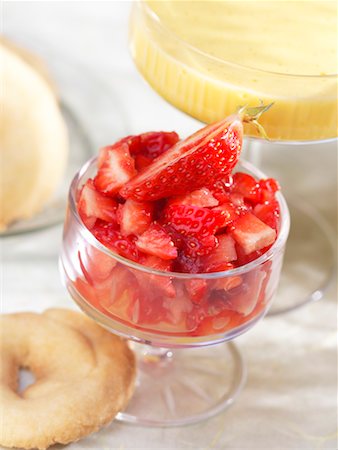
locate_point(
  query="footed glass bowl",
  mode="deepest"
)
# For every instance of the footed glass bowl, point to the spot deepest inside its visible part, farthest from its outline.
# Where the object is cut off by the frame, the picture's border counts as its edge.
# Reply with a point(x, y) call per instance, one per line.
point(155, 308)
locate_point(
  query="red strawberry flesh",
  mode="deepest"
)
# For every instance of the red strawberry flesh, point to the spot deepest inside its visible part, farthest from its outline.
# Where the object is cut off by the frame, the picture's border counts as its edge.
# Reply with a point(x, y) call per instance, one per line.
point(198, 161)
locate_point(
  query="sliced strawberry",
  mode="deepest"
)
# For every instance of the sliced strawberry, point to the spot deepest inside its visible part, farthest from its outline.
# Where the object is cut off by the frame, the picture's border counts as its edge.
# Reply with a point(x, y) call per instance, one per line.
point(268, 213)
point(217, 260)
point(229, 213)
point(200, 197)
point(157, 242)
point(193, 220)
point(114, 240)
point(135, 217)
point(93, 205)
point(198, 161)
point(252, 234)
point(115, 168)
point(197, 289)
point(247, 186)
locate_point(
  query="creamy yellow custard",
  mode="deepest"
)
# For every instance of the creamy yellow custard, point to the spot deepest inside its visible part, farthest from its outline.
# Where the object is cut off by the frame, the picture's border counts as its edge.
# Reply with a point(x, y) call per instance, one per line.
point(210, 57)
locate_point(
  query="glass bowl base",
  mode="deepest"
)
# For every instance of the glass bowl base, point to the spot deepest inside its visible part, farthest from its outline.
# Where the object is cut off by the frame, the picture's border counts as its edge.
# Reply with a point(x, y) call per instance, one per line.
point(184, 386)
point(309, 262)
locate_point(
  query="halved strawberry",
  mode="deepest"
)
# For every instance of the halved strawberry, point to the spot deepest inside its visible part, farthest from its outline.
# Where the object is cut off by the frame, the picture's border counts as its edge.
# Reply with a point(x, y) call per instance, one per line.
point(135, 217)
point(200, 197)
point(247, 186)
point(157, 242)
point(252, 234)
point(93, 205)
point(115, 168)
point(218, 258)
point(268, 213)
point(193, 220)
point(114, 240)
point(198, 161)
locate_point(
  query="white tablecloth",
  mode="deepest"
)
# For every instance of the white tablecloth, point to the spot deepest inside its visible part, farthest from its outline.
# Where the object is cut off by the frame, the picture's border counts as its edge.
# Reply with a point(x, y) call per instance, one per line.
point(290, 399)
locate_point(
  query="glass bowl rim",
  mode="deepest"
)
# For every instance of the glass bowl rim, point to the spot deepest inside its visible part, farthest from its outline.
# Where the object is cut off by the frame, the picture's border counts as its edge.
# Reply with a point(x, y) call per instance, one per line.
point(91, 239)
point(142, 4)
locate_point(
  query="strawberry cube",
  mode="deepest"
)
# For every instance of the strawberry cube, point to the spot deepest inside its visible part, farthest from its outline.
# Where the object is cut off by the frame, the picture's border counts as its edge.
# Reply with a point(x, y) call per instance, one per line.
point(252, 234)
point(115, 168)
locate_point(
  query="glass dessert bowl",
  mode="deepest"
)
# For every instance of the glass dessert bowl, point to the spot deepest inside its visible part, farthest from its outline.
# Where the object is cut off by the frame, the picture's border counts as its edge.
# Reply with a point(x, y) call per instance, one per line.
point(174, 47)
point(164, 309)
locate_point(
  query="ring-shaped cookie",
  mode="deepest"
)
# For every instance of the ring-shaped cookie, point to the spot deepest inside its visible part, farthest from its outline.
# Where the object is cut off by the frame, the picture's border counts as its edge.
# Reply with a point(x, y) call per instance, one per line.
point(84, 377)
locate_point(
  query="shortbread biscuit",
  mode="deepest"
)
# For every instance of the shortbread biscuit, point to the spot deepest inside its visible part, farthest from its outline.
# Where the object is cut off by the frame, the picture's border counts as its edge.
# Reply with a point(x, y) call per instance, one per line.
point(84, 377)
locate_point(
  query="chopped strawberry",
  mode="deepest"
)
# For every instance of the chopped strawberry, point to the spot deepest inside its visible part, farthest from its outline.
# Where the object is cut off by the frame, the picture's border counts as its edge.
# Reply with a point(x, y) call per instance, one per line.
point(244, 298)
point(135, 217)
point(93, 205)
point(113, 239)
point(252, 234)
point(268, 189)
point(141, 162)
point(96, 266)
point(196, 289)
point(115, 168)
point(229, 213)
point(221, 189)
point(151, 144)
point(218, 258)
point(268, 213)
point(121, 280)
point(186, 264)
point(154, 143)
point(217, 323)
point(247, 186)
point(237, 200)
point(195, 247)
point(200, 197)
point(149, 282)
point(198, 161)
point(227, 283)
point(156, 241)
point(193, 220)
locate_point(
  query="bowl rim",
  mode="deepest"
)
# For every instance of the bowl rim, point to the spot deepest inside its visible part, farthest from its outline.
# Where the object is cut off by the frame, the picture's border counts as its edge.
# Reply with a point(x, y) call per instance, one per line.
point(276, 247)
